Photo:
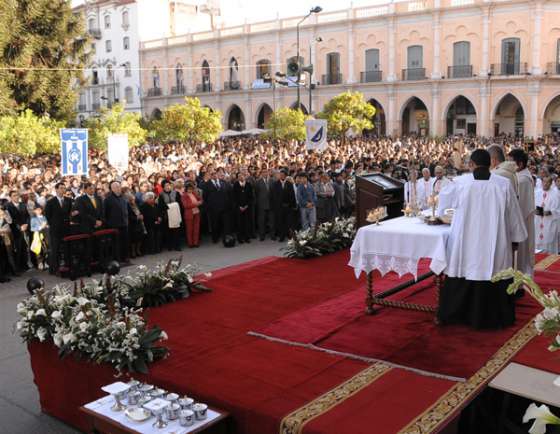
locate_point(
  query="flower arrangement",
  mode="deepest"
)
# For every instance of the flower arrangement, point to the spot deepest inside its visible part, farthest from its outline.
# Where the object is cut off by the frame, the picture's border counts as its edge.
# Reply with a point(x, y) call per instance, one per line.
point(548, 323)
point(78, 322)
point(164, 284)
point(325, 238)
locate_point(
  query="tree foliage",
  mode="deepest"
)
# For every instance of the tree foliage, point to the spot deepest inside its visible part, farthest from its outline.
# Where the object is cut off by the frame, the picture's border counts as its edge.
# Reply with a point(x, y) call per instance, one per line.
point(46, 44)
point(28, 134)
point(188, 122)
point(349, 110)
point(115, 121)
point(287, 124)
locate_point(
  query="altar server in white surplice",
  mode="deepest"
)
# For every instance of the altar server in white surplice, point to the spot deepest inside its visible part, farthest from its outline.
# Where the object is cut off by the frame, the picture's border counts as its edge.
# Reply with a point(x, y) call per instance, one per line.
point(411, 188)
point(424, 188)
point(547, 217)
point(526, 195)
point(440, 181)
point(487, 223)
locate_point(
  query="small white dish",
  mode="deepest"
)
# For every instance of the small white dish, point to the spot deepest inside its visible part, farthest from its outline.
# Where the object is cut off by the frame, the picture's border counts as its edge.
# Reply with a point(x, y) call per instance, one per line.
point(115, 388)
point(137, 414)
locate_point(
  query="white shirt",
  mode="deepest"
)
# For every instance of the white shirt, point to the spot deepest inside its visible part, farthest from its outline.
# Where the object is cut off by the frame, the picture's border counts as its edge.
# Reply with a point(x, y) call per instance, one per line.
point(487, 220)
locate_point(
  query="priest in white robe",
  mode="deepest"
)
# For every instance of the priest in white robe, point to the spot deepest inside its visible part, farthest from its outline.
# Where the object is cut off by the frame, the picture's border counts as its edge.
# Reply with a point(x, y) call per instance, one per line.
point(440, 180)
point(547, 217)
point(411, 188)
point(526, 195)
point(424, 188)
point(487, 225)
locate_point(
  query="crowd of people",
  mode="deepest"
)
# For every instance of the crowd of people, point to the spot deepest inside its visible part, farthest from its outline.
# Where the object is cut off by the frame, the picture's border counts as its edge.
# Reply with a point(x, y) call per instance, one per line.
point(233, 191)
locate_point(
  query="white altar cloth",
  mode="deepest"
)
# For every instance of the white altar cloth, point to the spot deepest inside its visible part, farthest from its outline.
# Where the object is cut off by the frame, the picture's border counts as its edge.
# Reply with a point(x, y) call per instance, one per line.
point(103, 407)
point(398, 245)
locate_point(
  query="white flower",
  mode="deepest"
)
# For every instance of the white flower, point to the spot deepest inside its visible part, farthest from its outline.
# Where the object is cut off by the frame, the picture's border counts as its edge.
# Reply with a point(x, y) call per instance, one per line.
point(21, 309)
point(82, 301)
point(42, 334)
point(57, 340)
point(19, 325)
point(208, 275)
point(133, 331)
point(41, 312)
point(56, 314)
point(68, 338)
point(303, 243)
point(190, 279)
point(164, 336)
point(29, 315)
point(542, 416)
point(80, 317)
point(83, 326)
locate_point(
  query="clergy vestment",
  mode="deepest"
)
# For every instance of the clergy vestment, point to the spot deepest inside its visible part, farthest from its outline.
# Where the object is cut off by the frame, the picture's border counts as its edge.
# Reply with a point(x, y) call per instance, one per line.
point(547, 226)
point(526, 194)
point(424, 190)
point(487, 220)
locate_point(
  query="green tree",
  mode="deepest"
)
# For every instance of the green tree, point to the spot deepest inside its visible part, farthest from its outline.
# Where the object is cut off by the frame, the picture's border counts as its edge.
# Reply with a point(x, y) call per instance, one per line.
point(349, 110)
point(188, 122)
point(287, 124)
point(27, 134)
point(46, 45)
point(115, 121)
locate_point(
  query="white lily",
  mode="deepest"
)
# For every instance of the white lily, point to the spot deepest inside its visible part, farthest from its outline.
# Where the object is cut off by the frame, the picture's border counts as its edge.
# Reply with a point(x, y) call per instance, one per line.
point(543, 417)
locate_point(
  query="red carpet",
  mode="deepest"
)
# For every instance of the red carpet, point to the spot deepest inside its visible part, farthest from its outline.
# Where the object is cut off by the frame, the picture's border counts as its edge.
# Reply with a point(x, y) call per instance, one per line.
point(264, 384)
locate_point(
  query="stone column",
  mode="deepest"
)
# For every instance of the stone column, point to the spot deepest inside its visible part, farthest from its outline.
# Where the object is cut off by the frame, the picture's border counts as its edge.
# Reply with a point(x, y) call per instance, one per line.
point(247, 73)
point(531, 124)
point(392, 123)
point(216, 72)
point(350, 52)
point(277, 55)
point(391, 76)
point(434, 113)
point(436, 66)
point(485, 65)
point(190, 86)
point(536, 41)
point(483, 127)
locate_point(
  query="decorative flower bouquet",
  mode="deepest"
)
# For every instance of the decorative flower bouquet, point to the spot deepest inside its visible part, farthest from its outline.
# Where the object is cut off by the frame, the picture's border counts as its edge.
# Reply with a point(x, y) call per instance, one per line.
point(164, 284)
point(548, 323)
point(97, 331)
point(325, 238)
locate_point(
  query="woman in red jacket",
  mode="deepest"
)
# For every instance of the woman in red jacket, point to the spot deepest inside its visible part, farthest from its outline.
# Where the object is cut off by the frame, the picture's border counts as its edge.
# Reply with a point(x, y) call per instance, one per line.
point(191, 203)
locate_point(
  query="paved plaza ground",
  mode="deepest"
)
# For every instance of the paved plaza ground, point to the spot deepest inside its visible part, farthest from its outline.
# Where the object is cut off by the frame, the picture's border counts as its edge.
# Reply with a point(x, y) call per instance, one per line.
point(19, 401)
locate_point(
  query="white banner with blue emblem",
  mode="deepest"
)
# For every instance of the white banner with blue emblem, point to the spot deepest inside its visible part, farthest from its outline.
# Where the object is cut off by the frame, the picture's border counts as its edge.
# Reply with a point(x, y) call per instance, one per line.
point(316, 134)
point(74, 151)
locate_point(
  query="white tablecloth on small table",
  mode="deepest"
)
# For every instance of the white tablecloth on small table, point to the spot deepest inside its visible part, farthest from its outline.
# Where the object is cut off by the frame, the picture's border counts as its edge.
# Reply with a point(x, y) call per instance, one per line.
point(103, 407)
point(398, 245)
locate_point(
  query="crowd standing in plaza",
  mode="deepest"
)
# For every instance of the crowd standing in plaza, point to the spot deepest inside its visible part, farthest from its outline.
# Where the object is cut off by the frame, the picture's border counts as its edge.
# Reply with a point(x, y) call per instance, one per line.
point(235, 190)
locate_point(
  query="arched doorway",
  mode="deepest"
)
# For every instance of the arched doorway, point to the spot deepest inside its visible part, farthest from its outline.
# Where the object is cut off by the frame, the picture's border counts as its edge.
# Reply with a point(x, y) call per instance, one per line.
point(551, 118)
point(509, 117)
point(264, 115)
point(461, 117)
point(378, 120)
point(415, 118)
point(301, 107)
point(236, 119)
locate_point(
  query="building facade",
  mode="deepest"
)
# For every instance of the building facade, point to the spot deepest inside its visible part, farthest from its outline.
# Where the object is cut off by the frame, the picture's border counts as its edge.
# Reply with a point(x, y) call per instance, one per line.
point(117, 27)
point(434, 67)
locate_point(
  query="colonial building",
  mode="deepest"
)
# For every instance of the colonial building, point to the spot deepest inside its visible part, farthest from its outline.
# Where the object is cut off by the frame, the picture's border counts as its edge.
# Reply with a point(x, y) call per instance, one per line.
point(117, 27)
point(429, 66)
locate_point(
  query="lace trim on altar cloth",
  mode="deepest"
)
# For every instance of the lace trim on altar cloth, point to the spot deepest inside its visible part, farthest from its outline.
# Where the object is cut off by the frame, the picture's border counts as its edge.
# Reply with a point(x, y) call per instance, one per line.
point(385, 263)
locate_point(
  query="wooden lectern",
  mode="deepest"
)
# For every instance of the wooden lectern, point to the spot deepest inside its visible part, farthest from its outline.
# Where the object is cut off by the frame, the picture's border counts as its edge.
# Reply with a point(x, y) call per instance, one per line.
point(374, 190)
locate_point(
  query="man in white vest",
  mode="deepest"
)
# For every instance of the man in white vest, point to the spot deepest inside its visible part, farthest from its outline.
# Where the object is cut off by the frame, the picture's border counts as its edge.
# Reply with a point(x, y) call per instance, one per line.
point(547, 217)
point(487, 225)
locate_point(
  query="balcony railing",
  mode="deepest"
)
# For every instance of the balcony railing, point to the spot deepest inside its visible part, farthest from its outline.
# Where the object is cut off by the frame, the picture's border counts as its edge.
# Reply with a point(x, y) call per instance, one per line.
point(95, 106)
point(370, 76)
point(328, 79)
point(414, 74)
point(509, 68)
point(232, 85)
point(553, 68)
point(178, 90)
point(95, 32)
point(459, 71)
point(154, 91)
point(82, 107)
point(204, 87)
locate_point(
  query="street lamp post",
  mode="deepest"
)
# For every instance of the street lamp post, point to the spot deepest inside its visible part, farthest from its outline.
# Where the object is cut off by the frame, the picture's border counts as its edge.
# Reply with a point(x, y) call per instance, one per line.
point(317, 39)
point(314, 10)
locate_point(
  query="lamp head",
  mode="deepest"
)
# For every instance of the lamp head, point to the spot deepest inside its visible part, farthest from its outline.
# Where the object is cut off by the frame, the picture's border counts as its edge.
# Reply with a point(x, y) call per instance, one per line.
point(34, 284)
point(316, 9)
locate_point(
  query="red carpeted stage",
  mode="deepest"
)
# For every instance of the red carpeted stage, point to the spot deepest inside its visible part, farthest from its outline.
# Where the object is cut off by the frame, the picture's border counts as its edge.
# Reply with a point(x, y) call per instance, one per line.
point(318, 364)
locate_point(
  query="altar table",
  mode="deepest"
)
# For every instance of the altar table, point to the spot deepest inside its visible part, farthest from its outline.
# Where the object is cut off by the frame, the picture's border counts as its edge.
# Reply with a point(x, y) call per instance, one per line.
point(398, 245)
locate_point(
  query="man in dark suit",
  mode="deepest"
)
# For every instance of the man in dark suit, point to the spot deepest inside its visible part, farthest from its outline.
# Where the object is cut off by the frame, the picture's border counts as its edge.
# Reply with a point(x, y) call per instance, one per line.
point(90, 210)
point(242, 202)
point(58, 211)
point(284, 200)
point(216, 200)
point(20, 229)
point(263, 187)
point(115, 213)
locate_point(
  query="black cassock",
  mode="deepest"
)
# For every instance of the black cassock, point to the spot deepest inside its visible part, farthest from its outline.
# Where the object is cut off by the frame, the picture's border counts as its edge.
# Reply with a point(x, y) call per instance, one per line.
point(478, 304)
